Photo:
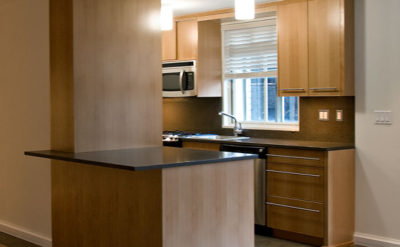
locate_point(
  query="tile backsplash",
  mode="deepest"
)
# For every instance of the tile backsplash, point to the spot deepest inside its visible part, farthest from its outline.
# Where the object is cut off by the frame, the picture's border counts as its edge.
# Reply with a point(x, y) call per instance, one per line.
point(201, 115)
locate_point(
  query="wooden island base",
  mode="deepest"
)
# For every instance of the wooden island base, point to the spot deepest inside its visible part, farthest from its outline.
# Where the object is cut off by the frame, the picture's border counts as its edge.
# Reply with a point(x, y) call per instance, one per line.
point(203, 205)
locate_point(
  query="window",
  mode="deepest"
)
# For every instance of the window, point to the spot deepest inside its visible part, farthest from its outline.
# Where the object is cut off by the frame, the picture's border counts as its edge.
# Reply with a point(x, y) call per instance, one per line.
point(250, 77)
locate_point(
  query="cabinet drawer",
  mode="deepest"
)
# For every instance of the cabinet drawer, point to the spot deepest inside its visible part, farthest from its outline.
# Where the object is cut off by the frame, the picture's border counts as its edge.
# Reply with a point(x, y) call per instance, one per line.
point(295, 181)
point(295, 216)
point(296, 156)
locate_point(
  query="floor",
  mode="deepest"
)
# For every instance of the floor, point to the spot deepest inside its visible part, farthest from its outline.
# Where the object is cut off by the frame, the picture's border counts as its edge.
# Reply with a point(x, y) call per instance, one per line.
point(261, 241)
point(10, 241)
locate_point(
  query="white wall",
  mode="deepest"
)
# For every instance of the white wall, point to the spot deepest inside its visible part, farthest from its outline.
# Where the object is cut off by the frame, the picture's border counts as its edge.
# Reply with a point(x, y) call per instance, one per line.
point(24, 119)
point(378, 147)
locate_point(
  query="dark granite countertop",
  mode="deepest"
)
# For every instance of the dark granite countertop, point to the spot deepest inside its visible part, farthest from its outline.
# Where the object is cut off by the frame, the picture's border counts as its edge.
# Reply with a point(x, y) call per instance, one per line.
point(280, 143)
point(147, 158)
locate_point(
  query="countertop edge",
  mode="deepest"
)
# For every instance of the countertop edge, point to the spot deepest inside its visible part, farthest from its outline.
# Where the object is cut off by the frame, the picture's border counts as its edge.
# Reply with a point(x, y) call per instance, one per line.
point(273, 145)
point(141, 168)
point(74, 160)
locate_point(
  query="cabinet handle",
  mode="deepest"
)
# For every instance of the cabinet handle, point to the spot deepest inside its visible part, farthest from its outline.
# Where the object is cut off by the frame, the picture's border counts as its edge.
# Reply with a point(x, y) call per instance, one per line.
point(292, 207)
point(291, 157)
point(324, 89)
point(295, 90)
point(294, 173)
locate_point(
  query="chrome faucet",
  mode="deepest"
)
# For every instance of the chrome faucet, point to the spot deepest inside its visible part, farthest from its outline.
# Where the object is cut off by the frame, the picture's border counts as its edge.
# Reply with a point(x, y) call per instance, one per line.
point(237, 130)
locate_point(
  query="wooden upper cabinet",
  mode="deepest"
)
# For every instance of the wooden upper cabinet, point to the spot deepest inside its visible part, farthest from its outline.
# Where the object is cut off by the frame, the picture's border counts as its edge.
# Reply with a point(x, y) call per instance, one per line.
point(316, 48)
point(293, 48)
point(169, 45)
point(209, 62)
point(331, 47)
point(187, 35)
point(200, 41)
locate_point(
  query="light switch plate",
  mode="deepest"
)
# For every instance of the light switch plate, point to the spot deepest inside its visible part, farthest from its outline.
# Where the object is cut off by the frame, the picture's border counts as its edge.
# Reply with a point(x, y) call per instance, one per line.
point(383, 117)
point(323, 115)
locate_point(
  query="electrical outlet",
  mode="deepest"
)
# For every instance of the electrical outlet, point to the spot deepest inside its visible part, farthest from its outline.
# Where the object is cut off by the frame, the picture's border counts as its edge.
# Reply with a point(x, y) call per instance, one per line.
point(383, 117)
point(323, 115)
point(339, 115)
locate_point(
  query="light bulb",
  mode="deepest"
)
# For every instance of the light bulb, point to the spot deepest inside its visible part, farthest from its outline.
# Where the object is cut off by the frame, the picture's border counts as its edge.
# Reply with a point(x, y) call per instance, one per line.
point(244, 9)
point(167, 17)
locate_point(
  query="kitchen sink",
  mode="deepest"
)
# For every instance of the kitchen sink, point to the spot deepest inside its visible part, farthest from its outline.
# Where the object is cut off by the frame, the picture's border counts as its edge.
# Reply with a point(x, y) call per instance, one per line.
point(216, 137)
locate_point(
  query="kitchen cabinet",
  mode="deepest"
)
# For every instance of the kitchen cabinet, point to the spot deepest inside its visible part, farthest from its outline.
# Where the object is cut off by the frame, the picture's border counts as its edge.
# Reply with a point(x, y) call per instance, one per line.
point(331, 47)
point(180, 43)
point(283, 182)
point(209, 63)
point(311, 193)
point(316, 48)
point(296, 216)
point(169, 44)
point(200, 41)
point(187, 40)
point(201, 145)
point(293, 48)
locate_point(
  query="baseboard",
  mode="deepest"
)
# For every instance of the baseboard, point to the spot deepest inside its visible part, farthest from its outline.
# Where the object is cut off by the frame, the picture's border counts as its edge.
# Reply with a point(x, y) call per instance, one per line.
point(375, 241)
point(25, 234)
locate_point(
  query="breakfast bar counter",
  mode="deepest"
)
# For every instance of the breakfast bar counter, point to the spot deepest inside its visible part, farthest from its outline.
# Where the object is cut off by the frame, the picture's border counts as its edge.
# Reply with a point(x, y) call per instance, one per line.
point(153, 197)
point(146, 158)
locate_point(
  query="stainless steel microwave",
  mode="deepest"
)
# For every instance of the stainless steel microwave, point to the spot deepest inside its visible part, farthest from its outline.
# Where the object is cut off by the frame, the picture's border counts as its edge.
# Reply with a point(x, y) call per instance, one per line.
point(179, 79)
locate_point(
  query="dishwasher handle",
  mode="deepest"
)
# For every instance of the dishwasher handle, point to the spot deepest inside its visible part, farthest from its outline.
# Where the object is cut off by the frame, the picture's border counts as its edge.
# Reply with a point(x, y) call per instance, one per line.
point(260, 151)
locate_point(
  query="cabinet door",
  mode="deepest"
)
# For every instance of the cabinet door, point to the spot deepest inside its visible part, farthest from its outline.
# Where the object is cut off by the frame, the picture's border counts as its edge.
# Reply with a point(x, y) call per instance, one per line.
point(169, 45)
point(187, 40)
point(209, 63)
point(293, 48)
point(326, 47)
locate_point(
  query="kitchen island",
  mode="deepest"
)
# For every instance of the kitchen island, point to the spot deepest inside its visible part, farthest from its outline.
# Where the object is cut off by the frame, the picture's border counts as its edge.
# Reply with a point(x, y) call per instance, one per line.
point(152, 196)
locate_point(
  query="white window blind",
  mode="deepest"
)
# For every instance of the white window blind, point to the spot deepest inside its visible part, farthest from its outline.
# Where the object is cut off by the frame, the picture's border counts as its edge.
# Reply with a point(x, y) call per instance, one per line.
point(250, 49)
point(250, 77)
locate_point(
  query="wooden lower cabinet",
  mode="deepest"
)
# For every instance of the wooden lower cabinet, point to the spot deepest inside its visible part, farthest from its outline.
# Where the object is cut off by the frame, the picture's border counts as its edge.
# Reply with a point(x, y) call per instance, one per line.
point(311, 193)
point(297, 182)
point(201, 145)
point(298, 216)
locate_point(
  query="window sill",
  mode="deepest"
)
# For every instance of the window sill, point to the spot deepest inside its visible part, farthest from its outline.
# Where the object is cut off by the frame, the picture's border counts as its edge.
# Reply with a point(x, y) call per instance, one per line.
point(273, 127)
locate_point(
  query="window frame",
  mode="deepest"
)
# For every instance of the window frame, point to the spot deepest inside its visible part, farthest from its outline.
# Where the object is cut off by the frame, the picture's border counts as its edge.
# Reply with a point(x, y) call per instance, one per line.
point(228, 123)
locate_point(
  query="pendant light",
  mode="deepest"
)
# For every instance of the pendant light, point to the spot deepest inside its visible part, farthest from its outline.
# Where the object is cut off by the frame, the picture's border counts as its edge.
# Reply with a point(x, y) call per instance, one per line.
point(244, 9)
point(167, 17)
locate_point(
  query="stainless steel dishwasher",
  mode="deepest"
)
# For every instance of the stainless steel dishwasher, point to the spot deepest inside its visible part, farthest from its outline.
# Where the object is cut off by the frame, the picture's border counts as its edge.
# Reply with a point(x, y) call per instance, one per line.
point(259, 177)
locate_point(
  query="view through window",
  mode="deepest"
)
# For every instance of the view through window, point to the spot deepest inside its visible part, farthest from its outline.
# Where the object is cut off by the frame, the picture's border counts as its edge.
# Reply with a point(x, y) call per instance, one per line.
point(250, 77)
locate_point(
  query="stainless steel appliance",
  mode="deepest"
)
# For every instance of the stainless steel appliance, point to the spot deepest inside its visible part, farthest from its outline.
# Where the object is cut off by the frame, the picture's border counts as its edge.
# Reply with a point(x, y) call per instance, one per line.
point(179, 79)
point(172, 138)
point(259, 177)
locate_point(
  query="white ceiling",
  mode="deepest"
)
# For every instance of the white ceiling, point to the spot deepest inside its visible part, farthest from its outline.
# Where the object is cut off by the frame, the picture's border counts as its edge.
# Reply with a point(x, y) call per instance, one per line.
point(185, 7)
